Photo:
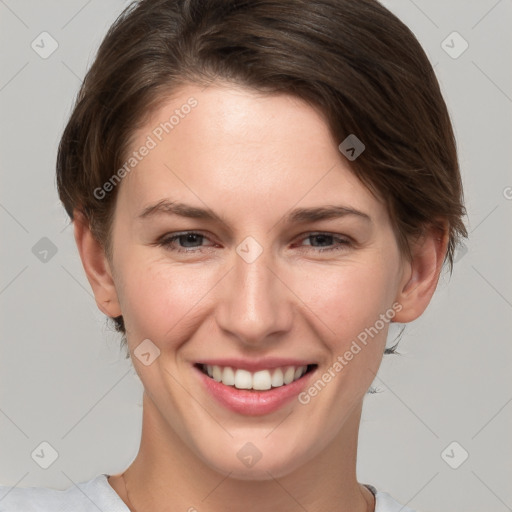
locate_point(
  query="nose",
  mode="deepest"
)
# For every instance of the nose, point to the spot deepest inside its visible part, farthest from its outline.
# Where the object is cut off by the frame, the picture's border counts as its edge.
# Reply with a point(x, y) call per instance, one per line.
point(255, 304)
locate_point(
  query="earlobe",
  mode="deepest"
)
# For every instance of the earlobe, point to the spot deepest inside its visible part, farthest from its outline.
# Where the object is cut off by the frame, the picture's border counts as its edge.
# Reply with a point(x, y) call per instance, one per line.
point(422, 273)
point(96, 266)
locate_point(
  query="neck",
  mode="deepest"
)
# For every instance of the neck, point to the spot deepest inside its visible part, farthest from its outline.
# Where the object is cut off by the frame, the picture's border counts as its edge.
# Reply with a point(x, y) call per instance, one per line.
point(166, 472)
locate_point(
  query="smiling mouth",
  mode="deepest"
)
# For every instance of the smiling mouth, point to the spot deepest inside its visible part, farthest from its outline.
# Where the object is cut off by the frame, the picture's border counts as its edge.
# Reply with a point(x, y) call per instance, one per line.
point(262, 380)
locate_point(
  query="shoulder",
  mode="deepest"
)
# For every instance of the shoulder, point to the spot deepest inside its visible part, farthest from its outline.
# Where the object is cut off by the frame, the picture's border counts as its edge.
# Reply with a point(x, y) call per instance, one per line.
point(386, 503)
point(97, 494)
point(91, 496)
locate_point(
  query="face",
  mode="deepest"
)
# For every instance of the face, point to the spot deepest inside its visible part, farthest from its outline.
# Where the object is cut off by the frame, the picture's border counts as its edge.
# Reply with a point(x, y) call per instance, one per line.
point(296, 266)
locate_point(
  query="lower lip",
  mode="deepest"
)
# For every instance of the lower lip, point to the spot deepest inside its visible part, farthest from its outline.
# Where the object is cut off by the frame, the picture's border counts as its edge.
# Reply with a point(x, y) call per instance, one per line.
point(253, 403)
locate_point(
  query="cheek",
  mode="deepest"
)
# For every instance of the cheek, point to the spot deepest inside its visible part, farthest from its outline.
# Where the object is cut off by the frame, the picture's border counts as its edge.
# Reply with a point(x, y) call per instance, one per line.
point(166, 302)
point(158, 298)
point(348, 299)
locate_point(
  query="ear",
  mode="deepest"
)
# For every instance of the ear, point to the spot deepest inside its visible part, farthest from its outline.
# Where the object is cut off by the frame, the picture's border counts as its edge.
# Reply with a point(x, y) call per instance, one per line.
point(96, 266)
point(421, 273)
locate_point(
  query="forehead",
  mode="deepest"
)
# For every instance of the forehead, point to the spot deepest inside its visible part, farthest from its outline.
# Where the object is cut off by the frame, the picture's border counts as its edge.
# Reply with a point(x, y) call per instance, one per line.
point(233, 146)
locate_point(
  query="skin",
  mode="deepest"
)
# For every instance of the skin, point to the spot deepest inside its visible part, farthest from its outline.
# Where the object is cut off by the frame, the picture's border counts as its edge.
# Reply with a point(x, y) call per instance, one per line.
point(251, 158)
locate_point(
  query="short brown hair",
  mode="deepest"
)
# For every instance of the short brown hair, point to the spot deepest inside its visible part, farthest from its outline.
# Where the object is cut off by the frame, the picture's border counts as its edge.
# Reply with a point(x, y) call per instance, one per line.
point(352, 59)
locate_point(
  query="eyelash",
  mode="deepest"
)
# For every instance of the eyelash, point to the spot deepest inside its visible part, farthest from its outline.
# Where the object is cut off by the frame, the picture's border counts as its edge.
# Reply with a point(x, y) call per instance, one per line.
point(167, 242)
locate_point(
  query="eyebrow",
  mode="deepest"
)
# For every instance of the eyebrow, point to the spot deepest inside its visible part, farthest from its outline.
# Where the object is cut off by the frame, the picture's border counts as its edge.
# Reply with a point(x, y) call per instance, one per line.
point(299, 215)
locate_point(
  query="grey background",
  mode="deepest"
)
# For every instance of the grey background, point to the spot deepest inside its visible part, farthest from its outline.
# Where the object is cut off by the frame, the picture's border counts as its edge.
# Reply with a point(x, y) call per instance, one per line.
point(64, 380)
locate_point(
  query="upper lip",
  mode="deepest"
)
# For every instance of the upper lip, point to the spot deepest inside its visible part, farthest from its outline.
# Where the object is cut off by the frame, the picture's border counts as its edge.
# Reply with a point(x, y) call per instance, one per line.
point(254, 365)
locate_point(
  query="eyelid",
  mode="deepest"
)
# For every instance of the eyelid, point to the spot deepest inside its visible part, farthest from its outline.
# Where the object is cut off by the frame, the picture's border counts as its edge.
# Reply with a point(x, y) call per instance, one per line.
point(344, 241)
point(172, 236)
point(167, 239)
point(339, 236)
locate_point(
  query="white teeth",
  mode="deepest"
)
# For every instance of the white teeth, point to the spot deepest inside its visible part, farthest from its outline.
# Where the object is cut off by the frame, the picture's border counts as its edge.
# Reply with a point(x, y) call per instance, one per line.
point(243, 379)
point(277, 378)
point(228, 376)
point(217, 373)
point(289, 374)
point(261, 380)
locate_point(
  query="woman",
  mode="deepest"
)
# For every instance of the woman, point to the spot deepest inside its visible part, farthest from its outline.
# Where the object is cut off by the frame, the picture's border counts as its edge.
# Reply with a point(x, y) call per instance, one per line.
point(258, 189)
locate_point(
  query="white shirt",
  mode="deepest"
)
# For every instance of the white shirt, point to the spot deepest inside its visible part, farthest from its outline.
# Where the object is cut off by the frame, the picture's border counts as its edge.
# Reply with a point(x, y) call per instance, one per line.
point(97, 495)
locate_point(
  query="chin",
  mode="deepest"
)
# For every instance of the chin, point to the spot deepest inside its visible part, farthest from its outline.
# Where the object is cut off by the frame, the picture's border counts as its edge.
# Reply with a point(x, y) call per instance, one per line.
point(248, 463)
